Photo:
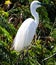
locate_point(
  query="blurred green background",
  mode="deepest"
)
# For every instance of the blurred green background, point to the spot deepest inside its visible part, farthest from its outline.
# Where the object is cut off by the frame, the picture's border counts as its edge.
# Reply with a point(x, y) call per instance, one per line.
point(43, 49)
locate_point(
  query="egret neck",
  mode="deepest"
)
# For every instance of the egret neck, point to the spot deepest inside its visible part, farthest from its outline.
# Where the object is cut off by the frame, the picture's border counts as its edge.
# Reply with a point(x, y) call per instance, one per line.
point(34, 14)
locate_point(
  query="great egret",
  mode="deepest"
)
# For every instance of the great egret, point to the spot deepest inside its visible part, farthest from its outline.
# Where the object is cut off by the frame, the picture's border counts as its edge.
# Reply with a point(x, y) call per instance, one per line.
point(27, 30)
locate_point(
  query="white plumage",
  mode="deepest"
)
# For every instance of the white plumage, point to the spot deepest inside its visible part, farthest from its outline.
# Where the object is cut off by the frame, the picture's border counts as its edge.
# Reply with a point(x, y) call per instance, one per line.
point(27, 30)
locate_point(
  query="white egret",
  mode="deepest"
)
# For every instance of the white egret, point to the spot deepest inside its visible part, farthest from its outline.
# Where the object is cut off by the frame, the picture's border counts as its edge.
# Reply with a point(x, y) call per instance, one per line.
point(27, 30)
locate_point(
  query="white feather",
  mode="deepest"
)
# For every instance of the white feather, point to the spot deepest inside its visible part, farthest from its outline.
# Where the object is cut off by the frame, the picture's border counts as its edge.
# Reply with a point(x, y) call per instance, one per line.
point(27, 30)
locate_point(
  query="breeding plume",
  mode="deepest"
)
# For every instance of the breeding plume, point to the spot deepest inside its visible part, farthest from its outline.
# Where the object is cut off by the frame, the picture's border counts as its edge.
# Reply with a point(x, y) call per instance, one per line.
point(27, 30)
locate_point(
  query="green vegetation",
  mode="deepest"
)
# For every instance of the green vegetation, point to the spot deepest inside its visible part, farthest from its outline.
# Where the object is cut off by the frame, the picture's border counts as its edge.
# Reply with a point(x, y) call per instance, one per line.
point(43, 49)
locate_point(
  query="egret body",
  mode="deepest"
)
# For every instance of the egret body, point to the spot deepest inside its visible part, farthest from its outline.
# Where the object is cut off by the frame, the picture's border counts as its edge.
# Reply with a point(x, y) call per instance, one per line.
point(27, 30)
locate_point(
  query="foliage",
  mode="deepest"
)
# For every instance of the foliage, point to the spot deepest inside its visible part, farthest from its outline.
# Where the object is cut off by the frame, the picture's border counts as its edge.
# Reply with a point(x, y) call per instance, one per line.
point(43, 48)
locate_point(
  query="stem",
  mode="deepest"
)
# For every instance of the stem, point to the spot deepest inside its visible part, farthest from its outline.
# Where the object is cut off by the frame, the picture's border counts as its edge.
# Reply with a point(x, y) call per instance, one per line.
point(48, 57)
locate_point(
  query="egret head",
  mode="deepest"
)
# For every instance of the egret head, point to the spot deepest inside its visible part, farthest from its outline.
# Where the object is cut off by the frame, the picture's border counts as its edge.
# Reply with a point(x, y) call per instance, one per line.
point(35, 4)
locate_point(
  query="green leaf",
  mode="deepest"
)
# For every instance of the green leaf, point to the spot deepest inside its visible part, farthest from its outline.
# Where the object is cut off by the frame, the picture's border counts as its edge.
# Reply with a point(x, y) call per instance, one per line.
point(5, 34)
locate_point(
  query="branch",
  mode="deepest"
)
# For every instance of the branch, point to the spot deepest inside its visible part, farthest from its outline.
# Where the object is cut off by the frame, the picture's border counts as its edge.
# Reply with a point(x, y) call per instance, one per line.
point(48, 57)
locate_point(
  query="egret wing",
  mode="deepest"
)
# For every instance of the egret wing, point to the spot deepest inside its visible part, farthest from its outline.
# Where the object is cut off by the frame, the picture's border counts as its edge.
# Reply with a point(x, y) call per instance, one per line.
point(25, 34)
